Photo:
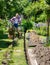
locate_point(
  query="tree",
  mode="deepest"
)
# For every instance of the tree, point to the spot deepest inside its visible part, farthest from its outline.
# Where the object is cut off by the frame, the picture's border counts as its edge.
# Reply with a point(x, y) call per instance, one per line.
point(36, 9)
point(28, 8)
point(2, 9)
point(48, 18)
point(27, 24)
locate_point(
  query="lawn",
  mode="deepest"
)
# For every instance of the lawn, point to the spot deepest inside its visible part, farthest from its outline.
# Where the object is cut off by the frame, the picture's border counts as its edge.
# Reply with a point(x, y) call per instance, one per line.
point(18, 55)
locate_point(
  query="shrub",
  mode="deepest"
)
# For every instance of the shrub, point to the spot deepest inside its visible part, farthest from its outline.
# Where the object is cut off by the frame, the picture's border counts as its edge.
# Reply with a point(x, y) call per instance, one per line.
point(27, 25)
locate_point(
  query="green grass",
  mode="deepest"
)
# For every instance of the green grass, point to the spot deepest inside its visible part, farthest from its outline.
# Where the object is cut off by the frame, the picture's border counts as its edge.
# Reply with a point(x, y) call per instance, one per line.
point(18, 55)
point(2, 52)
point(47, 44)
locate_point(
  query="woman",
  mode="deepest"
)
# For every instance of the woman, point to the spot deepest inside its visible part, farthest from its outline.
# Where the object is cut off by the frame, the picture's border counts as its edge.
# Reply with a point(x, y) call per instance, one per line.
point(16, 20)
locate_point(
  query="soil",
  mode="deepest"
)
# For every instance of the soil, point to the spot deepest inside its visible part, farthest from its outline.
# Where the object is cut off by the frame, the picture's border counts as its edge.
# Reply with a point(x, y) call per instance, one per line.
point(42, 53)
point(33, 39)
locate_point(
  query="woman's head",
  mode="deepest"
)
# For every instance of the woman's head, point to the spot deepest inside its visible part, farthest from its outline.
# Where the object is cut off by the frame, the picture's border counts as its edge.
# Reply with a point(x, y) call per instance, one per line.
point(17, 15)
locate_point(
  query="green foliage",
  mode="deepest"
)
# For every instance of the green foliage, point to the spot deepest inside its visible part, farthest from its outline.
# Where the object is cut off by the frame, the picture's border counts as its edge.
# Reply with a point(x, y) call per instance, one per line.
point(11, 7)
point(36, 9)
point(27, 25)
point(42, 17)
point(47, 44)
point(48, 2)
point(41, 30)
point(48, 8)
point(0, 22)
point(32, 8)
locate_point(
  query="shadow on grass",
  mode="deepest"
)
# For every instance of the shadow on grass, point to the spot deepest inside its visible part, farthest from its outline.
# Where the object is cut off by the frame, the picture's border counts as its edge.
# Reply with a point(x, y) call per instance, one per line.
point(3, 36)
point(4, 44)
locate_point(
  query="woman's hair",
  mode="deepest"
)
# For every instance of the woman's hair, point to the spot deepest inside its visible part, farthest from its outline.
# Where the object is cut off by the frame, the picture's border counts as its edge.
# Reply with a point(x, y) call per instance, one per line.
point(17, 14)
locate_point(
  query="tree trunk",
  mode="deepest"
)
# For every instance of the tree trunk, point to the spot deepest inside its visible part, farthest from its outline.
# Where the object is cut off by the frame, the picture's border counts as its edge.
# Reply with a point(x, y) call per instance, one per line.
point(48, 30)
point(24, 41)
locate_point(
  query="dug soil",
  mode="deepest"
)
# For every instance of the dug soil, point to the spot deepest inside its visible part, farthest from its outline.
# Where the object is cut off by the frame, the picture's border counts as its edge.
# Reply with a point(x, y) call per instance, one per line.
point(42, 53)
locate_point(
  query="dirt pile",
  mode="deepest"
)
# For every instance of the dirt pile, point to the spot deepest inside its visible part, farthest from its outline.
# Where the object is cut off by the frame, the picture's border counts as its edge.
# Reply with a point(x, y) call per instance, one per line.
point(33, 39)
point(42, 54)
